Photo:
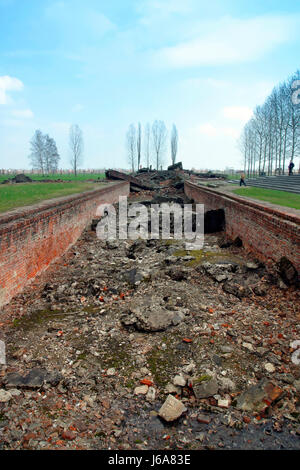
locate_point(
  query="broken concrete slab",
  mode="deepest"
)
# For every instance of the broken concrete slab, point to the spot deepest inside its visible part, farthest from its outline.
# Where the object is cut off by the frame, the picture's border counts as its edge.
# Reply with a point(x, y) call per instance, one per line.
point(175, 166)
point(149, 315)
point(205, 387)
point(172, 409)
point(135, 276)
point(34, 379)
point(137, 183)
point(258, 397)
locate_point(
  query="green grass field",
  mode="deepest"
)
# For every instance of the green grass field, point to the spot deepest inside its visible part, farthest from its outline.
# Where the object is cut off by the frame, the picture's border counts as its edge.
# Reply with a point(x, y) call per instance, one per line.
point(17, 195)
point(71, 177)
point(280, 198)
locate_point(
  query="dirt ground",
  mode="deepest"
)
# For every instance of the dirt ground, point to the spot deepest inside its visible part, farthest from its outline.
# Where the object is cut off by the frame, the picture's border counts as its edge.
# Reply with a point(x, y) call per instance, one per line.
point(109, 332)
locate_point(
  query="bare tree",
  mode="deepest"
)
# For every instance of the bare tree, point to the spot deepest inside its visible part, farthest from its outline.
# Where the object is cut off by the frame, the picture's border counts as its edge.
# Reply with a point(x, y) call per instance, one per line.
point(147, 142)
point(139, 144)
point(174, 144)
point(159, 138)
point(272, 136)
point(131, 145)
point(37, 155)
point(76, 147)
point(51, 155)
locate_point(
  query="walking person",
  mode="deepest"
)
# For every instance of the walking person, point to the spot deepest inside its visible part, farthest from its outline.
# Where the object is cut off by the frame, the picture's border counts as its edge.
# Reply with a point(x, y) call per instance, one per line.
point(242, 180)
point(291, 166)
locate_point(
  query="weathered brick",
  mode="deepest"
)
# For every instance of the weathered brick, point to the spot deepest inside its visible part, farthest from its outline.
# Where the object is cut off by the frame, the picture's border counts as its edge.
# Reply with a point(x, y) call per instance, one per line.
point(268, 233)
point(32, 237)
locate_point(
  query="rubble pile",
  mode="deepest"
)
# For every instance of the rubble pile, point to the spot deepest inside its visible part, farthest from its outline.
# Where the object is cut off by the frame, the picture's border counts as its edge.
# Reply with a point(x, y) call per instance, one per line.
point(141, 344)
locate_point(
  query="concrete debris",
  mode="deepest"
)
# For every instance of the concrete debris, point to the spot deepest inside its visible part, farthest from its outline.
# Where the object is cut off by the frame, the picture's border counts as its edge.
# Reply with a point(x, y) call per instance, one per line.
point(205, 386)
point(2, 353)
point(258, 397)
point(172, 409)
point(119, 339)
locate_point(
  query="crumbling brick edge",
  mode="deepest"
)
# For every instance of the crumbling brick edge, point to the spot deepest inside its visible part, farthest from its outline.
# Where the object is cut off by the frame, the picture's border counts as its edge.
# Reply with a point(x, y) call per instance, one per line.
point(33, 237)
point(266, 232)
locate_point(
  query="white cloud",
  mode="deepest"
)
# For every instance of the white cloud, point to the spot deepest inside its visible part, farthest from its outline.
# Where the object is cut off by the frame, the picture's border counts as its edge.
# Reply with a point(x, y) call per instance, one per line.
point(22, 113)
point(8, 84)
point(211, 130)
point(241, 113)
point(230, 40)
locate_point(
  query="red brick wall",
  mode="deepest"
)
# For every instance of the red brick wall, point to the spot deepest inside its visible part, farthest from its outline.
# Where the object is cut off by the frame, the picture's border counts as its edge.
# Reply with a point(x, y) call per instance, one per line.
point(32, 237)
point(268, 233)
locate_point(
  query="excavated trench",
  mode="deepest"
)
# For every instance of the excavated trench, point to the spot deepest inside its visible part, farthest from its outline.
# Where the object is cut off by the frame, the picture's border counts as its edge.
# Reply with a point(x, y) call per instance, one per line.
point(114, 328)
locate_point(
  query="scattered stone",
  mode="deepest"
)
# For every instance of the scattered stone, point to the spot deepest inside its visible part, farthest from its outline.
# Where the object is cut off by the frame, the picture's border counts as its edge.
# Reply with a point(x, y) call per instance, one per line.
point(189, 368)
point(203, 419)
point(205, 387)
point(258, 397)
point(112, 244)
point(261, 351)
point(178, 273)
point(89, 302)
point(170, 388)
point(15, 392)
point(224, 403)
point(297, 385)
point(226, 384)
point(260, 290)
point(188, 258)
point(172, 409)
point(171, 260)
point(269, 367)
point(2, 353)
point(252, 266)
point(5, 396)
point(236, 288)
point(68, 435)
point(34, 379)
point(141, 390)
point(226, 349)
point(179, 381)
point(147, 315)
point(135, 276)
point(219, 271)
point(151, 394)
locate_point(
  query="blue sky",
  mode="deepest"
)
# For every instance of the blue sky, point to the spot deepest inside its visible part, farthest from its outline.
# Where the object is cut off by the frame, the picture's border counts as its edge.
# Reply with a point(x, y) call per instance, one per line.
point(105, 64)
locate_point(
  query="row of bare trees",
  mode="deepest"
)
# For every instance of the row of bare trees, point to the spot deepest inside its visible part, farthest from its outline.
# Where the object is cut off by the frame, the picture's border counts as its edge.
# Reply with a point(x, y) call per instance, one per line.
point(44, 155)
point(150, 146)
point(271, 138)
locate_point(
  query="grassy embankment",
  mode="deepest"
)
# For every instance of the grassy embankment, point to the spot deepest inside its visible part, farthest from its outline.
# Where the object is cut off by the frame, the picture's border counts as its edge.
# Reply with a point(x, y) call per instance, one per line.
point(280, 198)
point(56, 176)
point(18, 195)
